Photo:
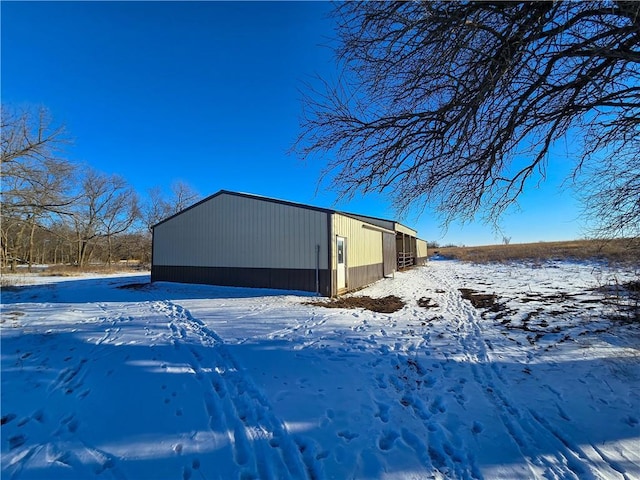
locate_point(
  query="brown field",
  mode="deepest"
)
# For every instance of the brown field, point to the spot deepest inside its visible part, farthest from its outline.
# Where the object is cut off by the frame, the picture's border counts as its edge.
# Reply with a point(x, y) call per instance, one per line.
point(626, 251)
point(70, 270)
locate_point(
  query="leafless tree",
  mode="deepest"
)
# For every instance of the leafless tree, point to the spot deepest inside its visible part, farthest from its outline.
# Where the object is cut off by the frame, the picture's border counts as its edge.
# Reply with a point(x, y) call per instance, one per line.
point(48, 219)
point(182, 196)
point(611, 195)
point(460, 105)
point(35, 178)
point(158, 207)
point(107, 206)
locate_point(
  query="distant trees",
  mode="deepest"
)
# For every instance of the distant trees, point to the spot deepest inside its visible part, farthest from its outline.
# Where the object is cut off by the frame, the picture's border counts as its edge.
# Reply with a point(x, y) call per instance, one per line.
point(47, 218)
point(106, 206)
point(159, 207)
point(35, 179)
point(458, 105)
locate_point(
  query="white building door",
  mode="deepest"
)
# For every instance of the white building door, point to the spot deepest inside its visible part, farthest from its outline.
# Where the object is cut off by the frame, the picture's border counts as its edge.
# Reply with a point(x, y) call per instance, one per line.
point(342, 256)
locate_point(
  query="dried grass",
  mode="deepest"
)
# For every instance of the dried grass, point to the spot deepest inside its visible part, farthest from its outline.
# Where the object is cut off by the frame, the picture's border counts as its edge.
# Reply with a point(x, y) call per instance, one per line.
point(71, 270)
point(8, 283)
point(621, 251)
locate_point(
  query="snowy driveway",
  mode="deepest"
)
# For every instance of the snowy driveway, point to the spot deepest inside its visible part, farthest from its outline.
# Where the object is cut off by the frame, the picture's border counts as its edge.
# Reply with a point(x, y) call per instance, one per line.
point(181, 381)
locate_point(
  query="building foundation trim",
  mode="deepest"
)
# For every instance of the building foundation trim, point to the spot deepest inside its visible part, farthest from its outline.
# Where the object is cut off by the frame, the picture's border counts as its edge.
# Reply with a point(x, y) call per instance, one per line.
point(277, 278)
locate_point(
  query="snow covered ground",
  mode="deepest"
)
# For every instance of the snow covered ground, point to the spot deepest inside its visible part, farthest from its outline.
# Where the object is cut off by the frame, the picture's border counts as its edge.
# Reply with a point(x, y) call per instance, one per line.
point(110, 377)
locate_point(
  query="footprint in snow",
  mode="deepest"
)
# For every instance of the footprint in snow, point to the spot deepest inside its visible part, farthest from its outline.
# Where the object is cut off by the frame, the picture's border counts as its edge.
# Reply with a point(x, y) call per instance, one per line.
point(477, 428)
point(381, 382)
point(383, 412)
point(17, 441)
point(186, 473)
point(7, 418)
point(347, 435)
point(437, 406)
point(73, 425)
point(388, 438)
point(322, 455)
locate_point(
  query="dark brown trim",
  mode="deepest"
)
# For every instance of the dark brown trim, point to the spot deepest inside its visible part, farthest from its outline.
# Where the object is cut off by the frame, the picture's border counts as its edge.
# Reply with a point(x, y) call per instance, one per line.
point(278, 278)
point(364, 275)
point(153, 239)
point(376, 228)
point(389, 257)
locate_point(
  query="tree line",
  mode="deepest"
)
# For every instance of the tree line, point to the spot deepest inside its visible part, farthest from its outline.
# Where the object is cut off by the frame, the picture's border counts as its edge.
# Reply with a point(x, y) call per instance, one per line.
point(55, 211)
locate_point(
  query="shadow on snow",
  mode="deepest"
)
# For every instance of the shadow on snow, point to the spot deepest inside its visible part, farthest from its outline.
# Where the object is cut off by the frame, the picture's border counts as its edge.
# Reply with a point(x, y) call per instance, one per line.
point(164, 410)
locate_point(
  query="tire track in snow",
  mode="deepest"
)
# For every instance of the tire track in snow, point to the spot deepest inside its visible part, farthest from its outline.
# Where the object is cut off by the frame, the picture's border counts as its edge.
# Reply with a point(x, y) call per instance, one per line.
point(527, 428)
point(262, 446)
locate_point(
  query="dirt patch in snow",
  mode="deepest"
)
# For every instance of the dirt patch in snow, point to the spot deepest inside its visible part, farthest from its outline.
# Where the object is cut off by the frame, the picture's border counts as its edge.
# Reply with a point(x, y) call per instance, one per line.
point(135, 286)
point(482, 300)
point(388, 304)
point(425, 302)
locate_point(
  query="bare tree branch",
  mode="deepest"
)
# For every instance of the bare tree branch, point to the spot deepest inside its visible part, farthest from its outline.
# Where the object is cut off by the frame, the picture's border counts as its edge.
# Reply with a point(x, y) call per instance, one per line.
point(459, 105)
point(35, 179)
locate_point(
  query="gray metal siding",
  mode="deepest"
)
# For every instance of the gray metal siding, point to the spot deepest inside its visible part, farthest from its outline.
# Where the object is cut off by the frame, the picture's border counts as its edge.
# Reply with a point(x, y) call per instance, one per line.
point(242, 232)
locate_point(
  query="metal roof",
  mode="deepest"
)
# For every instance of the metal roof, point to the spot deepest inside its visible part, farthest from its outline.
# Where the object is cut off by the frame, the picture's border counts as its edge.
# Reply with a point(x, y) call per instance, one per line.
point(292, 204)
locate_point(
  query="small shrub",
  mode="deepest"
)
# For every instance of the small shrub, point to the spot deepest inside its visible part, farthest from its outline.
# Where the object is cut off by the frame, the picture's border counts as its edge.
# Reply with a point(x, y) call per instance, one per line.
point(8, 283)
point(625, 298)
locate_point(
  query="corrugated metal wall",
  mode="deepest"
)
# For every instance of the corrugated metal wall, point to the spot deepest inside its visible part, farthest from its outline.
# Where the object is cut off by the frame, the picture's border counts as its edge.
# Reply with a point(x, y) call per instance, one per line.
point(242, 240)
point(235, 231)
point(364, 245)
point(406, 230)
point(421, 254)
point(389, 249)
point(364, 251)
point(380, 222)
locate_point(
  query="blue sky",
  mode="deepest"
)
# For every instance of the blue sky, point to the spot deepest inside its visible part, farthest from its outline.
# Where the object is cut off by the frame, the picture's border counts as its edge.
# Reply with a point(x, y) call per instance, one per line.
point(209, 93)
